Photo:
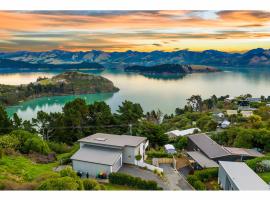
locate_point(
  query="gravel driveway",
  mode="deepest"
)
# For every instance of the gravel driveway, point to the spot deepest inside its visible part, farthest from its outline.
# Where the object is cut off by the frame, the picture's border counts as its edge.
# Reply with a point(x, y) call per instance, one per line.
point(175, 180)
point(172, 181)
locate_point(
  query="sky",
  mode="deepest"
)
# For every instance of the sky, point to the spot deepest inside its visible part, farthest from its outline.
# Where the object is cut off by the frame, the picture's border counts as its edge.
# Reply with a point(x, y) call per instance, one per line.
point(231, 31)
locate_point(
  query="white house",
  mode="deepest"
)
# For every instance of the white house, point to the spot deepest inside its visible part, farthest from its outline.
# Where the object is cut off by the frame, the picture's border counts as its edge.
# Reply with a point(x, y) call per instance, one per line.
point(170, 148)
point(238, 176)
point(231, 112)
point(246, 113)
point(225, 124)
point(177, 133)
point(107, 152)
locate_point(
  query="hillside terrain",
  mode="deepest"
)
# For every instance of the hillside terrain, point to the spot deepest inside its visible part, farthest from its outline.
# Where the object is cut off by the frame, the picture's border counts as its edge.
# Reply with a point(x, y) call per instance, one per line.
point(170, 69)
point(6, 63)
point(252, 58)
point(68, 83)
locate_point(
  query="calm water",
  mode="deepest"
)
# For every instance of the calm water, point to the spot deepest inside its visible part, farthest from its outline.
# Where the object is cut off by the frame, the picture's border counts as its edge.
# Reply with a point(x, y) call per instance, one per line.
point(165, 93)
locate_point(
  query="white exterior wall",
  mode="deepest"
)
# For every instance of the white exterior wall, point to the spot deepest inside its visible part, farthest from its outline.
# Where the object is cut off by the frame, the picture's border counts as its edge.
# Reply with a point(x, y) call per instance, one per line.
point(225, 181)
point(129, 154)
point(92, 168)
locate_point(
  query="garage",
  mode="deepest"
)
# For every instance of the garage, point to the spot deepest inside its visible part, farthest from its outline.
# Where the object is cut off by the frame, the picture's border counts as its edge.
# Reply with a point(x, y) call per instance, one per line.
point(95, 160)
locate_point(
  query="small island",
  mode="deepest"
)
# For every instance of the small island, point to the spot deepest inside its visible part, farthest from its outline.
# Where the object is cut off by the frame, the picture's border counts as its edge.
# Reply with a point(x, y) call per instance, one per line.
point(170, 69)
point(67, 83)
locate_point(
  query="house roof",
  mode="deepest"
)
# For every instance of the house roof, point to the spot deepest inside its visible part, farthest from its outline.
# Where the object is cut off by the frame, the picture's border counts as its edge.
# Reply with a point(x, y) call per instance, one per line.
point(97, 155)
point(243, 177)
point(231, 112)
point(243, 152)
point(169, 147)
point(226, 122)
point(202, 160)
point(208, 146)
point(183, 132)
point(113, 140)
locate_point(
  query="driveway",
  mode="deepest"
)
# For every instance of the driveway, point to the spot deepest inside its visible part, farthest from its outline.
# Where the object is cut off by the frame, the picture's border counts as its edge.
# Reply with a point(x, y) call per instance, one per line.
point(144, 174)
point(172, 180)
point(175, 180)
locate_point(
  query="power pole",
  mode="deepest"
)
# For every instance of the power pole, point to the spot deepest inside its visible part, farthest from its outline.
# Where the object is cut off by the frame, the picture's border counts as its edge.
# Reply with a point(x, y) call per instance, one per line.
point(130, 129)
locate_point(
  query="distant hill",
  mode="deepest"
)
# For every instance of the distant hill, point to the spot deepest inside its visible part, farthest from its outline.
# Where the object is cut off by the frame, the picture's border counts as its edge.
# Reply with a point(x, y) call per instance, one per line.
point(68, 83)
point(6, 63)
point(169, 69)
point(253, 58)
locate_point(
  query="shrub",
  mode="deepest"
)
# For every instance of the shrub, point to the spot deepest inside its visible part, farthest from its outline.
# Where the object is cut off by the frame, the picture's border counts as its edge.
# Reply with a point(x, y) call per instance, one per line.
point(35, 144)
point(207, 174)
point(158, 154)
point(9, 141)
point(62, 183)
point(91, 184)
point(195, 182)
point(59, 147)
point(1, 153)
point(136, 182)
point(68, 171)
point(138, 157)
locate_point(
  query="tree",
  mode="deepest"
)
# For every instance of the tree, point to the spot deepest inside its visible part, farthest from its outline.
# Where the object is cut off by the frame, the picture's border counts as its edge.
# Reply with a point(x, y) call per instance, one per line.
point(130, 112)
point(5, 122)
point(154, 116)
point(255, 121)
point(17, 122)
point(195, 101)
point(154, 133)
point(181, 142)
point(42, 122)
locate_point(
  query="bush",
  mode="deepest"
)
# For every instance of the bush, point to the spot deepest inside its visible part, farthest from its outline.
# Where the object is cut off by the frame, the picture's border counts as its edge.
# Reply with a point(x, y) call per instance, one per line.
point(1, 153)
point(59, 147)
point(206, 174)
point(9, 141)
point(138, 157)
point(158, 154)
point(68, 171)
point(195, 182)
point(35, 144)
point(62, 183)
point(90, 184)
point(136, 182)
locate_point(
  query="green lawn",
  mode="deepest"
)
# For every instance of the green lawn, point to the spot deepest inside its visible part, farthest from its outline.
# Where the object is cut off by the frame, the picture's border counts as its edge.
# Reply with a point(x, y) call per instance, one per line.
point(22, 169)
point(265, 176)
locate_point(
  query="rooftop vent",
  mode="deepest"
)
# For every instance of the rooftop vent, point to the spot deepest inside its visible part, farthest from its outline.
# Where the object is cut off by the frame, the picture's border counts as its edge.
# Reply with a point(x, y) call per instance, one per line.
point(100, 139)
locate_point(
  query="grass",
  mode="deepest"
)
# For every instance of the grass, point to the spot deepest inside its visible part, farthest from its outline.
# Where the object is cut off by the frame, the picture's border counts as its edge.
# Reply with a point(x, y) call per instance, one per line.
point(110, 186)
point(22, 169)
point(265, 176)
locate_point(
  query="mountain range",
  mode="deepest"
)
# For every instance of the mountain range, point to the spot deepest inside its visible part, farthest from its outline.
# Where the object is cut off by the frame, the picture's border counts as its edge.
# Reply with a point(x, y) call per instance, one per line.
point(254, 57)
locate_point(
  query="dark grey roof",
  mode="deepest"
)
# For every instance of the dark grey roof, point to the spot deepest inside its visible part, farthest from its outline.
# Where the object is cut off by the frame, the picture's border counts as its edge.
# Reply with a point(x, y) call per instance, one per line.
point(243, 152)
point(202, 160)
point(113, 140)
point(105, 156)
point(208, 146)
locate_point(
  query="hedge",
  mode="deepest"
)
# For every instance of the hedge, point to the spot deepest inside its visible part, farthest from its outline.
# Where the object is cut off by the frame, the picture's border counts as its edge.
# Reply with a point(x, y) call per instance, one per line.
point(136, 182)
point(197, 180)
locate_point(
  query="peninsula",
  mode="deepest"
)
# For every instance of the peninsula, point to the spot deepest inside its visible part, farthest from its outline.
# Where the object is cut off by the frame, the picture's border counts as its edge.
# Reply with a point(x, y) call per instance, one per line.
point(67, 83)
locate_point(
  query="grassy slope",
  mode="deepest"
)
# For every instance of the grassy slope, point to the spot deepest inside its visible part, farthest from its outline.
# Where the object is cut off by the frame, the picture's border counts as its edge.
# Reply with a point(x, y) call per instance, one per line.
point(21, 169)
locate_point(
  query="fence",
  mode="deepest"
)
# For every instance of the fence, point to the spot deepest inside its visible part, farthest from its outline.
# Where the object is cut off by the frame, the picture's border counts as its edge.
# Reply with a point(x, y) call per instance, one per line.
point(148, 166)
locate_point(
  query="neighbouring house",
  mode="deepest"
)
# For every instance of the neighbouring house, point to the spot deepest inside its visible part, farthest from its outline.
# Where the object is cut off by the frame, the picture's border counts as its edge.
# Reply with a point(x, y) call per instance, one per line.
point(229, 99)
point(177, 133)
point(246, 113)
point(238, 176)
point(241, 154)
point(225, 124)
point(208, 148)
point(243, 105)
point(107, 152)
point(268, 104)
point(204, 144)
point(231, 112)
point(200, 161)
point(256, 100)
point(170, 149)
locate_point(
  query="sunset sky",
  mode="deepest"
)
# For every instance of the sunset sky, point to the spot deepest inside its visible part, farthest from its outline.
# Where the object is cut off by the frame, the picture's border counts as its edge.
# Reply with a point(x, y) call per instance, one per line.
point(134, 30)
